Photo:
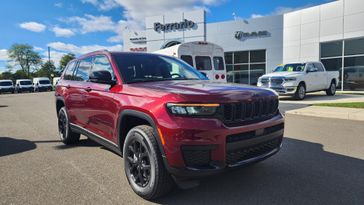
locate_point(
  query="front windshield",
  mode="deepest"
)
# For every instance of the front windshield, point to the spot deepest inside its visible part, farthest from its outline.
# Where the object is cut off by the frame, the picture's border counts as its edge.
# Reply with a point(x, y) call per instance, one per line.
point(293, 67)
point(146, 67)
point(44, 82)
point(25, 82)
point(6, 83)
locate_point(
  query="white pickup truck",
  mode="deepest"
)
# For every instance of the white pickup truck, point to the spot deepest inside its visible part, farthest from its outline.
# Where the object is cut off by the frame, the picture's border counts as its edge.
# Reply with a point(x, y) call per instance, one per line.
point(297, 79)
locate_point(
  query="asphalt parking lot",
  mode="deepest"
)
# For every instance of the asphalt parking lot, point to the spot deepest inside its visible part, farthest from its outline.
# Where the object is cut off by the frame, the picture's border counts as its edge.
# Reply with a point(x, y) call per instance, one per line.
point(317, 165)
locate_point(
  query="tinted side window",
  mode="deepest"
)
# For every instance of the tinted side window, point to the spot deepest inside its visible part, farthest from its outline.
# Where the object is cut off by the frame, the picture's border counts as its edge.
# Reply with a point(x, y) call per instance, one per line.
point(203, 63)
point(101, 63)
point(319, 67)
point(187, 59)
point(68, 74)
point(83, 69)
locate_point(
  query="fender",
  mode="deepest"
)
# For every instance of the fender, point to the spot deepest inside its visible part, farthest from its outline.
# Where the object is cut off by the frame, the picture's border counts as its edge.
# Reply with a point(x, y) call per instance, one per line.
point(146, 117)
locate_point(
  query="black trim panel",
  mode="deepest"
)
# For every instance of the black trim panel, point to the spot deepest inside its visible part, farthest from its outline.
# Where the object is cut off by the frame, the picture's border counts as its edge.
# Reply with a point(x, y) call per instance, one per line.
point(96, 138)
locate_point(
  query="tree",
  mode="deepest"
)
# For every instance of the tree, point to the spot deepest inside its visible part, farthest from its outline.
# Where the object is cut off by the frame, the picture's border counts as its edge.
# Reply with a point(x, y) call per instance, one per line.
point(6, 75)
point(65, 59)
point(47, 70)
point(23, 55)
point(19, 74)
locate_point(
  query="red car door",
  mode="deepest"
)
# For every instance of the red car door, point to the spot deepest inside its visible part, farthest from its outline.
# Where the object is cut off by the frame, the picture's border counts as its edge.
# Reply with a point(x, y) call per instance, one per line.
point(102, 109)
point(80, 90)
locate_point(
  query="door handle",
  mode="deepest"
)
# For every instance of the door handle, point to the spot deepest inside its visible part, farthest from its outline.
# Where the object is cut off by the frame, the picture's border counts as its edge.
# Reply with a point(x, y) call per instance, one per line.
point(68, 86)
point(88, 89)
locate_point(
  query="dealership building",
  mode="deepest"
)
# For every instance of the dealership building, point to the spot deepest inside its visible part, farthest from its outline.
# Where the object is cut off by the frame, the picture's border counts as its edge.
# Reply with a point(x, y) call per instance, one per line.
point(332, 33)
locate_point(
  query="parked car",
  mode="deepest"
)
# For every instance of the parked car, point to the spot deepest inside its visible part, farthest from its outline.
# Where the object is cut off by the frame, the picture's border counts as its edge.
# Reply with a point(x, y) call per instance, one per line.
point(6, 86)
point(42, 84)
point(297, 79)
point(165, 118)
point(22, 85)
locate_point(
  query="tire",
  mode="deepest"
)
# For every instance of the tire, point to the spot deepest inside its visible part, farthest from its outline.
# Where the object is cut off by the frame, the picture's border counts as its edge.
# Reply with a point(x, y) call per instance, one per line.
point(300, 92)
point(331, 91)
point(65, 133)
point(142, 158)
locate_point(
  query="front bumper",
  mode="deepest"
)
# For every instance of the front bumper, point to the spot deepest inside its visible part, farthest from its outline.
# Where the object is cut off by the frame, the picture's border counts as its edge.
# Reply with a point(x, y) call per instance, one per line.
point(201, 153)
point(29, 89)
point(282, 90)
point(7, 90)
point(44, 88)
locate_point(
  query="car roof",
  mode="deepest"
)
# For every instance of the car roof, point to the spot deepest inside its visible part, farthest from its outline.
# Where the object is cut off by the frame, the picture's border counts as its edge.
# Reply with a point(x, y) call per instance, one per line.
point(6, 80)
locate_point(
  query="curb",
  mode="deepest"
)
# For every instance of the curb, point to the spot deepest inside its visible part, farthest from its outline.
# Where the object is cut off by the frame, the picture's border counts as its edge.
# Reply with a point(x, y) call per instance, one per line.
point(330, 112)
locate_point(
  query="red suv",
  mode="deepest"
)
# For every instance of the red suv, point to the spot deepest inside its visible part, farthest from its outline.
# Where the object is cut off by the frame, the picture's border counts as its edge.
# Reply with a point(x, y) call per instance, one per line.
point(167, 120)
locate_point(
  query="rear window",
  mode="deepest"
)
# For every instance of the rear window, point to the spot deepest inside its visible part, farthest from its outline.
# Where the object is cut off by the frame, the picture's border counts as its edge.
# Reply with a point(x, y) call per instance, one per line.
point(6, 83)
point(28, 82)
point(219, 63)
point(203, 63)
point(44, 82)
point(187, 59)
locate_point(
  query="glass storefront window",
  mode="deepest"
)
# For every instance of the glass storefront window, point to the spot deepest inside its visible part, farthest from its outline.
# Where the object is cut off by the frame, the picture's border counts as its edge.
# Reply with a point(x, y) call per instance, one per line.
point(354, 73)
point(257, 56)
point(245, 66)
point(229, 58)
point(241, 57)
point(256, 70)
point(331, 49)
point(354, 47)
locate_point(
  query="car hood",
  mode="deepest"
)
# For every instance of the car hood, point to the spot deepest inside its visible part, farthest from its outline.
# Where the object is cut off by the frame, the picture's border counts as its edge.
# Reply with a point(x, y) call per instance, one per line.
point(204, 91)
point(283, 74)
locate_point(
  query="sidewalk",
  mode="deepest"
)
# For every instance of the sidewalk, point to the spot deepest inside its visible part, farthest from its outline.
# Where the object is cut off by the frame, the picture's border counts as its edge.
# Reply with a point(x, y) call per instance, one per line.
point(321, 97)
point(330, 112)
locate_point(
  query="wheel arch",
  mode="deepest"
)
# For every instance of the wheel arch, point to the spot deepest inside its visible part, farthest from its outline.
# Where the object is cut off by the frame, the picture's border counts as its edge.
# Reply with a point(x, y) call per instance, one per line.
point(59, 103)
point(140, 118)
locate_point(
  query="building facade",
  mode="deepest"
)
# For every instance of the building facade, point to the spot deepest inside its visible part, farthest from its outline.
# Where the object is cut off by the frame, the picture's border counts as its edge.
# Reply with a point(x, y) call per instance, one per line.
point(332, 33)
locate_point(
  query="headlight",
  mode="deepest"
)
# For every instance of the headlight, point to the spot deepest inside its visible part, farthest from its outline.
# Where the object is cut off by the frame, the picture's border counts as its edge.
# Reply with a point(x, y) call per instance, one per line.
point(192, 109)
point(290, 79)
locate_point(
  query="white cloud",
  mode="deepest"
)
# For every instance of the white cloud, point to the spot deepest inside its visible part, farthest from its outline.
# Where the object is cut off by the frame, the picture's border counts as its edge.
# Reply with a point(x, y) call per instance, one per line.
point(90, 23)
point(254, 16)
point(103, 5)
point(33, 26)
point(65, 47)
point(58, 5)
point(136, 10)
point(62, 32)
point(4, 55)
point(36, 48)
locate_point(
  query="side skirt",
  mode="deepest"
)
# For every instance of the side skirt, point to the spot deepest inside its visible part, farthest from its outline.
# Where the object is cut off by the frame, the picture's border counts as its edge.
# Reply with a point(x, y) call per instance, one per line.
point(97, 138)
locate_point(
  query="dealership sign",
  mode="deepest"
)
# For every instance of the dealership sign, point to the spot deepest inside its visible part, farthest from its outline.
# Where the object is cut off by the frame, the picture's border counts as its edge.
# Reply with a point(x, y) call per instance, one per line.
point(241, 35)
point(185, 24)
point(141, 40)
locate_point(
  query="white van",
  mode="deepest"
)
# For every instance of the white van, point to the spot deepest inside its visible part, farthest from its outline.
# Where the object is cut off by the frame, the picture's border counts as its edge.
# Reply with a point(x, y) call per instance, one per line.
point(22, 85)
point(6, 86)
point(42, 84)
point(208, 58)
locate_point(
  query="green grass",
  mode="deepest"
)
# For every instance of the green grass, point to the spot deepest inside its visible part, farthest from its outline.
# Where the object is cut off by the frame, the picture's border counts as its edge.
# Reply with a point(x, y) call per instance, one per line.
point(347, 105)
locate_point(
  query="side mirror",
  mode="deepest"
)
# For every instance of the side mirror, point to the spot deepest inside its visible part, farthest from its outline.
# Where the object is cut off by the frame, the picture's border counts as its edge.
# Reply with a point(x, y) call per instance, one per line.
point(102, 77)
point(203, 73)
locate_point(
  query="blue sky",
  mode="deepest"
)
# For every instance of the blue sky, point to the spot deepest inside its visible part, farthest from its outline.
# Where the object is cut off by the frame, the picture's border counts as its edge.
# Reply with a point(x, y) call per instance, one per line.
point(81, 26)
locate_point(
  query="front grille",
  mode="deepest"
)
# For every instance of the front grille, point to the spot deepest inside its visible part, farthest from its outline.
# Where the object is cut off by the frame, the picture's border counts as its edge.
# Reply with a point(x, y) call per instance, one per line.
point(242, 113)
point(252, 134)
point(196, 156)
point(276, 81)
point(242, 154)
